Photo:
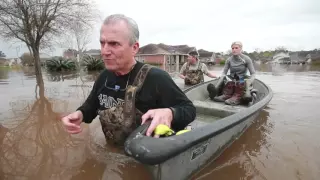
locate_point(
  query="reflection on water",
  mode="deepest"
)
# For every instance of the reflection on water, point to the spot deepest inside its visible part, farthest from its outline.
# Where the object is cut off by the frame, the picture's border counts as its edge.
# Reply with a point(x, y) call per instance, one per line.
point(36, 145)
point(239, 158)
point(282, 68)
point(4, 72)
point(282, 143)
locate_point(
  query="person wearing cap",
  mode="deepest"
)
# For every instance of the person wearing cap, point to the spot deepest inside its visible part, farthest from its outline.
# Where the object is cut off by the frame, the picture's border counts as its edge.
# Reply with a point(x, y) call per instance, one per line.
point(236, 85)
point(193, 70)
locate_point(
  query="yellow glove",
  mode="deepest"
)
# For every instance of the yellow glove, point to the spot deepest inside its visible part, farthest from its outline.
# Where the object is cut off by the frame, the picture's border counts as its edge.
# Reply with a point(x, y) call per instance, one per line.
point(182, 131)
point(164, 130)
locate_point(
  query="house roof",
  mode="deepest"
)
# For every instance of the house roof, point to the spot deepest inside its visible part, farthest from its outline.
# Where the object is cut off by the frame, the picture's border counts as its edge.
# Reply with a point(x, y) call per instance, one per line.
point(295, 57)
point(313, 56)
point(165, 49)
point(204, 53)
point(281, 55)
point(171, 49)
point(2, 59)
point(93, 51)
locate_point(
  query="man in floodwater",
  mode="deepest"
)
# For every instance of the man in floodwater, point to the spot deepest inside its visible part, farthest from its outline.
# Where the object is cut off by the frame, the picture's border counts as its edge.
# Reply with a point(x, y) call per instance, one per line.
point(128, 93)
point(193, 70)
point(236, 85)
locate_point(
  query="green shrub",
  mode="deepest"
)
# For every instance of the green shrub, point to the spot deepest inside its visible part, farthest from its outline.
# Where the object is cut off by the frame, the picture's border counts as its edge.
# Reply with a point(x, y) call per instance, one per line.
point(60, 64)
point(222, 62)
point(92, 63)
point(315, 63)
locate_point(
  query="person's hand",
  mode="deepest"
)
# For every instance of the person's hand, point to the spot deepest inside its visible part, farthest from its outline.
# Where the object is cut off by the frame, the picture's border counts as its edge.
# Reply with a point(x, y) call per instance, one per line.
point(182, 76)
point(158, 116)
point(72, 122)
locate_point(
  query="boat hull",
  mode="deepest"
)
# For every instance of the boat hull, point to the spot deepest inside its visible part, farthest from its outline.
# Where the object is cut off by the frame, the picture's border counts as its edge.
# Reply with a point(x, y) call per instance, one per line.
point(180, 157)
point(184, 165)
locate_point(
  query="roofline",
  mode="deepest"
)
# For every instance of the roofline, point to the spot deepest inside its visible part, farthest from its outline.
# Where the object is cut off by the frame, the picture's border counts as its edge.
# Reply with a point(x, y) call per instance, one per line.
point(159, 54)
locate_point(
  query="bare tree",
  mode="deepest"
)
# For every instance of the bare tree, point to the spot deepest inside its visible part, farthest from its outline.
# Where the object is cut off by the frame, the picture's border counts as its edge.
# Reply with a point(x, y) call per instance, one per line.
point(78, 37)
point(26, 59)
point(38, 22)
point(82, 37)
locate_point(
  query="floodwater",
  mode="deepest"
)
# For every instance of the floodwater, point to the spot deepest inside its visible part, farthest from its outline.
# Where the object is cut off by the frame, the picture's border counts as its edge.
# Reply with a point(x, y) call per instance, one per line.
point(281, 144)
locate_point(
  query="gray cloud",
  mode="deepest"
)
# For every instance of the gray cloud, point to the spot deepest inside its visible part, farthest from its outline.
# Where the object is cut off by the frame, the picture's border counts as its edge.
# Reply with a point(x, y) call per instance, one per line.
point(213, 25)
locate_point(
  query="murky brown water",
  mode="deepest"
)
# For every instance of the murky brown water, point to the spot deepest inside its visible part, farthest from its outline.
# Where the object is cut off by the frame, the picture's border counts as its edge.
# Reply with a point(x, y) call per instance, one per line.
point(282, 144)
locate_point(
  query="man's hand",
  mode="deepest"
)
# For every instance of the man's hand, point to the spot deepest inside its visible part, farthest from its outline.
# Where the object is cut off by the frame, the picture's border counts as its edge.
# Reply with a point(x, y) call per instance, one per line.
point(72, 122)
point(158, 116)
point(182, 76)
point(212, 75)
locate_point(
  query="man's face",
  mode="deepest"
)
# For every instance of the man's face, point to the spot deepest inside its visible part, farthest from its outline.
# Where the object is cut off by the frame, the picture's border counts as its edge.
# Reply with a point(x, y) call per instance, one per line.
point(116, 50)
point(236, 50)
point(191, 59)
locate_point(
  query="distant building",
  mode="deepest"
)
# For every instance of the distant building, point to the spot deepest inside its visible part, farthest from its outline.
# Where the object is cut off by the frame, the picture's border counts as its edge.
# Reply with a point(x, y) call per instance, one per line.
point(96, 53)
point(165, 55)
point(70, 54)
point(14, 61)
point(162, 54)
point(207, 57)
point(296, 59)
point(281, 58)
point(4, 61)
point(315, 57)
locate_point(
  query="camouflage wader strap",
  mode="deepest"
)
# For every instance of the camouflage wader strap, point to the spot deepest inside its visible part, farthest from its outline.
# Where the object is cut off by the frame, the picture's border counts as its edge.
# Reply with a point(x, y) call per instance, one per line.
point(200, 66)
point(188, 65)
point(194, 76)
point(119, 121)
point(130, 95)
point(200, 71)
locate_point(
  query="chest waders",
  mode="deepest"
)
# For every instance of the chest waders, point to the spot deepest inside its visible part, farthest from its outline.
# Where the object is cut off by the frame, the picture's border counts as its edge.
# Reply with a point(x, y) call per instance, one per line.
point(119, 121)
point(193, 77)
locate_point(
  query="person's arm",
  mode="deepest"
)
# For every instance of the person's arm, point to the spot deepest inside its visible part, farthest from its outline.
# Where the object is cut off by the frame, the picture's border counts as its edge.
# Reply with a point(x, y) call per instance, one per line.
point(226, 67)
point(171, 96)
point(90, 106)
point(251, 68)
point(207, 72)
point(182, 71)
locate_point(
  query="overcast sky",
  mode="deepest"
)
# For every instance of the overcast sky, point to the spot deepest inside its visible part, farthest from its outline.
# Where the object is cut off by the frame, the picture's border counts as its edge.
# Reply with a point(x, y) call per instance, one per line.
point(213, 25)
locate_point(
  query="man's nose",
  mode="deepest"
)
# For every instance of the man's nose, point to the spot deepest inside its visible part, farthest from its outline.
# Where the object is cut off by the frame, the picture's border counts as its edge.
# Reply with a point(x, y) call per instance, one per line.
point(105, 49)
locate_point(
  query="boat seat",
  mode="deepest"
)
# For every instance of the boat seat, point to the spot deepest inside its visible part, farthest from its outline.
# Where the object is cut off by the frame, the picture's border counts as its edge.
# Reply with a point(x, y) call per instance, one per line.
point(219, 109)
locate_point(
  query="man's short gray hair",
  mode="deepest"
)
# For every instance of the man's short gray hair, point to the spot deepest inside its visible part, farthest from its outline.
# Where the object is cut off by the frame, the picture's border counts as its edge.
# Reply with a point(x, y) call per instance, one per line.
point(237, 43)
point(132, 25)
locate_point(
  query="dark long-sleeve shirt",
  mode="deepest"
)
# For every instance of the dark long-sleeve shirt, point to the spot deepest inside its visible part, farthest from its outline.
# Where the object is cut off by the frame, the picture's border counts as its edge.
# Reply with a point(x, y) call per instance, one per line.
point(159, 91)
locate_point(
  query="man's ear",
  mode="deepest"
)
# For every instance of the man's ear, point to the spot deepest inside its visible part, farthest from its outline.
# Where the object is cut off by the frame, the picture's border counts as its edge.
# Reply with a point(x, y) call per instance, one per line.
point(135, 48)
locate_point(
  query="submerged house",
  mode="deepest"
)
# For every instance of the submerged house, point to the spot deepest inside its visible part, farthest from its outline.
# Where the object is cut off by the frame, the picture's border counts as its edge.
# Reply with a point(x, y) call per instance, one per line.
point(296, 59)
point(73, 54)
point(4, 61)
point(207, 57)
point(96, 53)
point(166, 56)
point(315, 57)
point(163, 55)
point(281, 58)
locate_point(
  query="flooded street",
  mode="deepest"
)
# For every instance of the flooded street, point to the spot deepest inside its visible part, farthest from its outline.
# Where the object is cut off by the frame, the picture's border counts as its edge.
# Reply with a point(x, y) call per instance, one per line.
point(281, 144)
